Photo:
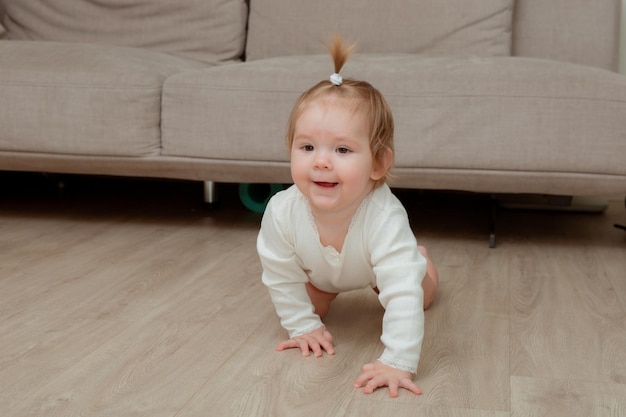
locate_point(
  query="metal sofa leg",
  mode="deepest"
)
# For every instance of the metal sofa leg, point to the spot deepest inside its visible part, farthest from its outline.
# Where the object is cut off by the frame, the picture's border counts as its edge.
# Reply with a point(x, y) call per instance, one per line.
point(621, 226)
point(493, 217)
point(210, 195)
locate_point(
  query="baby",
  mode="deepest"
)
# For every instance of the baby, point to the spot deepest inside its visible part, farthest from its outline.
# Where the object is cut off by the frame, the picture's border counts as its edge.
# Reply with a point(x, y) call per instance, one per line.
point(340, 228)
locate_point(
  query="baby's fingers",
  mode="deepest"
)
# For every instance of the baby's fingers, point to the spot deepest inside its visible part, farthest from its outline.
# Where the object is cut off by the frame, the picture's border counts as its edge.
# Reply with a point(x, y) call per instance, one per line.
point(302, 344)
point(327, 343)
point(367, 373)
point(311, 345)
point(410, 385)
point(372, 378)
point(378, 382)
point(287, 344)
point(308, 344)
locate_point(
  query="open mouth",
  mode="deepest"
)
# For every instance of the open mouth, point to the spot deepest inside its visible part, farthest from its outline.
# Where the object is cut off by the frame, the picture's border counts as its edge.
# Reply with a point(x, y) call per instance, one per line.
point(325, 184)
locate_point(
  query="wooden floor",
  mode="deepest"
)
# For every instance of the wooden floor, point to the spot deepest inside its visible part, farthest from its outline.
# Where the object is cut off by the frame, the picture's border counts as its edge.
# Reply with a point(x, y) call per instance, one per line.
point(126, 298)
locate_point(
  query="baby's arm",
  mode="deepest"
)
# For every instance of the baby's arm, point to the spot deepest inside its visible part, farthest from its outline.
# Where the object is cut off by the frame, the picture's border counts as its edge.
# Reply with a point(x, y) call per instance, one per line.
point(399, 268)
point(402, 336)
point(377, 374)
point(286, 281)
point(316, 341)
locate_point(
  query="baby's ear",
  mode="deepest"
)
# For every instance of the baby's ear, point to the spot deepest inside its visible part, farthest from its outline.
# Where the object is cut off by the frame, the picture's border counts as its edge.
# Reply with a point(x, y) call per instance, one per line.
point(382, 165)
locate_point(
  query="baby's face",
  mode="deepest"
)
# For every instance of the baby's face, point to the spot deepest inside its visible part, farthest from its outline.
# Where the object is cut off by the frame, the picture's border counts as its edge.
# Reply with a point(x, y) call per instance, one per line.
point(331, 161)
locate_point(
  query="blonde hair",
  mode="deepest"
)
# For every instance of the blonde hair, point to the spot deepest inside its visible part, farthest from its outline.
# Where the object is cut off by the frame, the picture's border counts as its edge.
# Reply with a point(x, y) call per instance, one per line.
point(365, 98)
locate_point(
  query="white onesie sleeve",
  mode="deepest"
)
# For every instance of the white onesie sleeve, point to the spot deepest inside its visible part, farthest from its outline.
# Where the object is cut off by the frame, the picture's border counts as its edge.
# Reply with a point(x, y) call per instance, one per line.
point(399, 270)
point(283, 272)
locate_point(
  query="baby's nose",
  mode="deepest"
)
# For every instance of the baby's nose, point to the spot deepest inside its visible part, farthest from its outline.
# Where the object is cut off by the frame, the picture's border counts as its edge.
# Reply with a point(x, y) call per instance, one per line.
point(322, 161)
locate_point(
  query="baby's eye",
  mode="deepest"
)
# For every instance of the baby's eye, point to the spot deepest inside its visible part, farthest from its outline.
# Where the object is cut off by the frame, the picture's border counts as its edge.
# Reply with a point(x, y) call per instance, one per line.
point(343, 149)
point(307, 148)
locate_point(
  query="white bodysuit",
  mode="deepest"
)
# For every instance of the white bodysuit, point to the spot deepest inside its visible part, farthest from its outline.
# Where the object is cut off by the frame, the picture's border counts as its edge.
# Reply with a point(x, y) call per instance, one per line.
point(379, 251)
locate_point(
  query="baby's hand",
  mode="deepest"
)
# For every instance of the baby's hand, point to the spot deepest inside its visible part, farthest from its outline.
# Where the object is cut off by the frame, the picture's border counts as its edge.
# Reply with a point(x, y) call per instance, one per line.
point(314, 341)
point(377, 374)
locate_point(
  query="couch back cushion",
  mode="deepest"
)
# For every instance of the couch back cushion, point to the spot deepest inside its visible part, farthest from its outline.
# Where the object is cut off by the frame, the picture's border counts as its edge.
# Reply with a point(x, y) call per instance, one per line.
point(433, 27)
point(203, 30)
point(579, 31)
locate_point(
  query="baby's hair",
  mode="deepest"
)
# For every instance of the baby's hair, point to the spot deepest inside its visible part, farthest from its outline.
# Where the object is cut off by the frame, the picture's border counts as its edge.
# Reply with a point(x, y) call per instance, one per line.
point(361, 94)
point(339, 52)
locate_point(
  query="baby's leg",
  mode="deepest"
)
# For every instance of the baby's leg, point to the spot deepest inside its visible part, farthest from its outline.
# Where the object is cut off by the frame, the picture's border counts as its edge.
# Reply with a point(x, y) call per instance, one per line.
point(320, 299)
point(431, 279)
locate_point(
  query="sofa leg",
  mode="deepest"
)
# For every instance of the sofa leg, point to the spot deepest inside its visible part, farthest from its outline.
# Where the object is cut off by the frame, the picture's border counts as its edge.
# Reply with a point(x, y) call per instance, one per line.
point(210, 195)
point(493, 214)
point(621, 226)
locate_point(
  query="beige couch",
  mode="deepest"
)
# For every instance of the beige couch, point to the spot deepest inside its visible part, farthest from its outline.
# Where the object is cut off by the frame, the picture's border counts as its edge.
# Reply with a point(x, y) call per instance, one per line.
point(497, 96)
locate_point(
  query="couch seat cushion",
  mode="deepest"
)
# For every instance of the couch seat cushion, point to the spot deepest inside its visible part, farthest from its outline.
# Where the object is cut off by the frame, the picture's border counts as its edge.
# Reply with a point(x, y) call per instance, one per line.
point(82, 99)
point(496, 113)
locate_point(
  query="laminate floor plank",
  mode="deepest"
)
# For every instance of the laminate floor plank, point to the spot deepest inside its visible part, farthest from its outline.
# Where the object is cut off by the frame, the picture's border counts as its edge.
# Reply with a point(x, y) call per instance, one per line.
point(362, 408)
point(258, 380)
point(465, 358)
point(535, 397)
point(566, 320)
point(166, 344)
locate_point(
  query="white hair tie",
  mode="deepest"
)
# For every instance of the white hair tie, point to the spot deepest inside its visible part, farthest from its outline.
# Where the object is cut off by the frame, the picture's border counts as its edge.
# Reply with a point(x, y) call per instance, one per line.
point(336, 79)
